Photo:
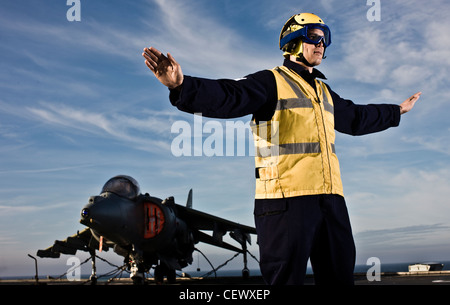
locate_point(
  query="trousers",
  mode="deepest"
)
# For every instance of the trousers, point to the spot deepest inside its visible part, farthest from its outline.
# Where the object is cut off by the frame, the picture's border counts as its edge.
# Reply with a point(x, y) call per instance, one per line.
point(291, 231)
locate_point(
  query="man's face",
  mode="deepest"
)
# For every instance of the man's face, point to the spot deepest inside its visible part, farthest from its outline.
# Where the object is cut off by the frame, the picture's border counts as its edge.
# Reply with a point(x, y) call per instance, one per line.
point(313, 53)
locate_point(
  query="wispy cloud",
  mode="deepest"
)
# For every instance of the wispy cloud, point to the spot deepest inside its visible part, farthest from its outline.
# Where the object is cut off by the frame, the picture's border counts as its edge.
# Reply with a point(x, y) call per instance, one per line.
point(399, 195)
point(44, 170)
point(431, 142)
point(6, 240)
point(143, 133)
point(6, 210)
point(409, 233)
point(201, 43)
point(416, 243)
point(403, 52)
point(98, 37)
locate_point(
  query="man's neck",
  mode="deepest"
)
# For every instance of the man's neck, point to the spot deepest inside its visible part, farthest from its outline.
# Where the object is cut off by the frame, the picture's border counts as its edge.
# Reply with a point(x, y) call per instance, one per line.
point(294, 59)
point(302, 70)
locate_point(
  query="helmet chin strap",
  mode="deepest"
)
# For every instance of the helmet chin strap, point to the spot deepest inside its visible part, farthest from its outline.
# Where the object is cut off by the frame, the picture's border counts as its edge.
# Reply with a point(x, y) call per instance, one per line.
point(302, 58)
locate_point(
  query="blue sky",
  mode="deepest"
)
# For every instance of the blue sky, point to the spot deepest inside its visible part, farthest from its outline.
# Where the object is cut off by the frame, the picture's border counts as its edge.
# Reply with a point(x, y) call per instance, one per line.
point(78, 106)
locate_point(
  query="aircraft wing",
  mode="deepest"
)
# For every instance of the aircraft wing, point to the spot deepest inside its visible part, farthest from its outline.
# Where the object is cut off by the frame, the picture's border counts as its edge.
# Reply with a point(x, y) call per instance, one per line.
point(80, 241)
point(204, 221)
point(197, 221)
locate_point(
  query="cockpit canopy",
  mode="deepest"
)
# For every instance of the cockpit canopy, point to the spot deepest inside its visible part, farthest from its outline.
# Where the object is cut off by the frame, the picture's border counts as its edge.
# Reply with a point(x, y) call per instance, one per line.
point(122, 185)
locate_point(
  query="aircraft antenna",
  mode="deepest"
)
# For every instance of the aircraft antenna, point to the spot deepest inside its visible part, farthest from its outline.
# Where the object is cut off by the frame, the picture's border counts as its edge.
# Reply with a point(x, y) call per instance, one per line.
point(189, 200)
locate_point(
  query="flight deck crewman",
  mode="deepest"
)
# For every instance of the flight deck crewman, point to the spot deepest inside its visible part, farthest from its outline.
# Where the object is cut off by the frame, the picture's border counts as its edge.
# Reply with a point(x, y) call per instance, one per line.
point(300, 212)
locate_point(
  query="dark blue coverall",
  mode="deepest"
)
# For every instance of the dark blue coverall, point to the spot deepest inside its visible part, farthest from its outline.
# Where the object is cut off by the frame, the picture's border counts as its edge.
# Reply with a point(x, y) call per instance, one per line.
point(292, 230)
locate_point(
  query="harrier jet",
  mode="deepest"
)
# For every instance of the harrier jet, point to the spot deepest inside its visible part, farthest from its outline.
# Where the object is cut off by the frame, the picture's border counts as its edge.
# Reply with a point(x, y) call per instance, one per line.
point(147, 231)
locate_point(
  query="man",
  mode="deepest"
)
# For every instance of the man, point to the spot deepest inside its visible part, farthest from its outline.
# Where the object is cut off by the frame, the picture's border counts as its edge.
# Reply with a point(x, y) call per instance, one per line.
point(300, 212)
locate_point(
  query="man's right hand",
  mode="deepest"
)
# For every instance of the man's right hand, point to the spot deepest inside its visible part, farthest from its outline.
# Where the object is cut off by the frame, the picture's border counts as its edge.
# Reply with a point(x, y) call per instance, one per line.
point(166, 69)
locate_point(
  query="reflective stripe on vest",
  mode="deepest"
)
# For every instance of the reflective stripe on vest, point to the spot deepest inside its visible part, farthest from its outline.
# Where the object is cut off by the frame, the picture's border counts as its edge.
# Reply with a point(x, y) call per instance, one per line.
point(295, 152)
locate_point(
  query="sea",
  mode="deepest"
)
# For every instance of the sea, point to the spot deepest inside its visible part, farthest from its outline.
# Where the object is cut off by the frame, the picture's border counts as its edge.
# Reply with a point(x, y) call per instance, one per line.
point(361, 269)
point(392, 267)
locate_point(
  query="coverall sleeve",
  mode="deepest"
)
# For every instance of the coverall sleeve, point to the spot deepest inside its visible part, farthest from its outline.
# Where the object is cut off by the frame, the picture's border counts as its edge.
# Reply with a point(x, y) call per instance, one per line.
point(357, 120)
point(225, 98)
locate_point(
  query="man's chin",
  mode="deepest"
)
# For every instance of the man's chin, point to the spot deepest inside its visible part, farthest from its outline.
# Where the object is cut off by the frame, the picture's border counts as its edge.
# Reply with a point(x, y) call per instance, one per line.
point(316, 62)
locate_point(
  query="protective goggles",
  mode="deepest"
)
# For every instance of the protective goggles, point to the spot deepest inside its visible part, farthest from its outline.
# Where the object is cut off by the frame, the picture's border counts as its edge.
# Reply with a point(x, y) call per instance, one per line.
point(311, 38)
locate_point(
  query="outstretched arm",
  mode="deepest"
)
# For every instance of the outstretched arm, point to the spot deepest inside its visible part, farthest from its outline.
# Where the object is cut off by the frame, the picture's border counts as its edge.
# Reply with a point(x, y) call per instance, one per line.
point(408, 104)
point(166, 69)
point(222, 98)
point(358, 120)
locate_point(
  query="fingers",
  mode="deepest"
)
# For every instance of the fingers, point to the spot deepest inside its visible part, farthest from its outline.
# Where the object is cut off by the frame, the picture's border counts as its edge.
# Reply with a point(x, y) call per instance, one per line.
point(408, 104)
point(171, 59)
point(417, 95)
point(154, 54)
point(153, 58)
point(149, 65)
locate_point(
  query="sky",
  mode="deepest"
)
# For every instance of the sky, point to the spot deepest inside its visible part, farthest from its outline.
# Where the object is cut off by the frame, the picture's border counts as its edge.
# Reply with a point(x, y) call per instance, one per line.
point(79, 106)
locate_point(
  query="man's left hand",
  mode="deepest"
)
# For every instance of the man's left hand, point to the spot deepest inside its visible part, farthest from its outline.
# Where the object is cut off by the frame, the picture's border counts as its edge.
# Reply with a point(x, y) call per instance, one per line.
point(408, 104)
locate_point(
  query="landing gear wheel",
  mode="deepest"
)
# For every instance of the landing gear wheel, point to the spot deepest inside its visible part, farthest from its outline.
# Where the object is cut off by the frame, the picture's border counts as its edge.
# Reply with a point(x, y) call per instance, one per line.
point(245, 273)
point(159, 274)
point(138, 280)
point(161, 271)
point(171, 276)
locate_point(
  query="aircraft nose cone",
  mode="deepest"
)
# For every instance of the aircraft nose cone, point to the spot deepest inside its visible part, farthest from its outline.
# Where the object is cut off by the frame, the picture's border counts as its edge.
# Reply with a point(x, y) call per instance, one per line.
point(85, 213)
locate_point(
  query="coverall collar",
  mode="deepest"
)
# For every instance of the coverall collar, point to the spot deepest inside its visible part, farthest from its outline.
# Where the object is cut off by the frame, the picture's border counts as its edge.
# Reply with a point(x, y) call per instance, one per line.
point(302, 71)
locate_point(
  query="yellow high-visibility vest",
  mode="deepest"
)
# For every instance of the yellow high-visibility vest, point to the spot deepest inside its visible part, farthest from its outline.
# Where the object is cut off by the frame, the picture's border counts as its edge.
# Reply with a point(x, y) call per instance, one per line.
point(294, 151)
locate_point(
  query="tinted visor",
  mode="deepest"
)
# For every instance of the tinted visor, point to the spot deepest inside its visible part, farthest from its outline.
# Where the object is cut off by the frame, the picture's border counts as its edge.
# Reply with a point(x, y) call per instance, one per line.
point(303, 35)
point(310, 36)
